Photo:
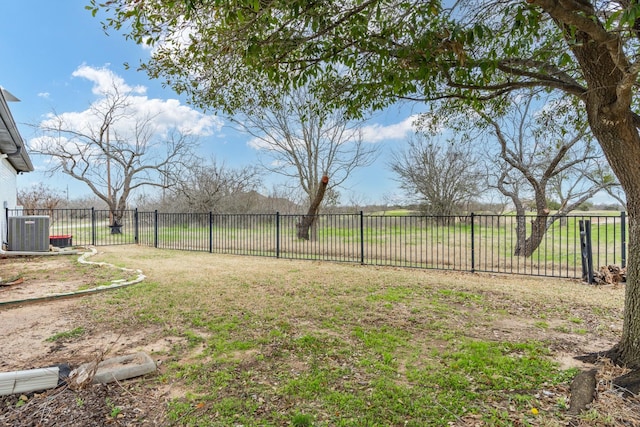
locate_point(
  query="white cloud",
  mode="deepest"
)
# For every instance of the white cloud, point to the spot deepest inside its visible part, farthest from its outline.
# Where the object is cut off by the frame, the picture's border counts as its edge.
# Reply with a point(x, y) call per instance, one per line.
point(371, 133)
point(379, 133)
point(106, 80)
point(258, 144)
point(164, 114)
point(44, 95)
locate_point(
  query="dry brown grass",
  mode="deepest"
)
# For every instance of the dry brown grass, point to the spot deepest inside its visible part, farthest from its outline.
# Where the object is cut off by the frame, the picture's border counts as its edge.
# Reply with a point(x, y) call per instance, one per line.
point(202, 268)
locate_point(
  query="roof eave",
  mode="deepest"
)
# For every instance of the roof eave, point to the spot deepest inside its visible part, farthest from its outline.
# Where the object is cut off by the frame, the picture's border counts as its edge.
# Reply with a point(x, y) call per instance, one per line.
point(13, 146)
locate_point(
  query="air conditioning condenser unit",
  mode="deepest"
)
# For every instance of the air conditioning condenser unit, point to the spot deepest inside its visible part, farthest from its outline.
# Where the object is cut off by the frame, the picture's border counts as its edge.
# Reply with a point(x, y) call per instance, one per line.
point(29, 233)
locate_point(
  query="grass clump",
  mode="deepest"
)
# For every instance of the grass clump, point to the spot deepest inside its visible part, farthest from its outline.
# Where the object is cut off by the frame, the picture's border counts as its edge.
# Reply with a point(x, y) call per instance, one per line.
point(302, 420)
point(67, 335)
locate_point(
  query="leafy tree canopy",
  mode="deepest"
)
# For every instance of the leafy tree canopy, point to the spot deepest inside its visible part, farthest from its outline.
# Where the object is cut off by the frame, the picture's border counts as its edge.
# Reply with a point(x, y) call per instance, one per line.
point(361, 53)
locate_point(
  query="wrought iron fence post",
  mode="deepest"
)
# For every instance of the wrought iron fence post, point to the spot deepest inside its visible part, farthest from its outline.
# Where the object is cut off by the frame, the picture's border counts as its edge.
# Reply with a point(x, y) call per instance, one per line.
point(210, 232)
point(93, 227)
point(136, 230)
point(155, 228)
point(623, 232)
point(586, 250)
point(277, 234)
point(361, 238)
point(473, 245)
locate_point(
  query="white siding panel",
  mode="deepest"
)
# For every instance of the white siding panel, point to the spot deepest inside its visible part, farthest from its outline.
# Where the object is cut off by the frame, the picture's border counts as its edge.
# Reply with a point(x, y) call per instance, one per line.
point(8, 194)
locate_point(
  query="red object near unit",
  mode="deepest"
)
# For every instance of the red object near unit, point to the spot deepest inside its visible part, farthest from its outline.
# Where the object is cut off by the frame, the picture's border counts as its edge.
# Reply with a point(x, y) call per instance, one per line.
point(61, 240)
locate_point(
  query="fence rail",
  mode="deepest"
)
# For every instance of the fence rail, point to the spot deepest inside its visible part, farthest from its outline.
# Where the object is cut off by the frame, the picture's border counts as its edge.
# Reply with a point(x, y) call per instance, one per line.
point(484, 243)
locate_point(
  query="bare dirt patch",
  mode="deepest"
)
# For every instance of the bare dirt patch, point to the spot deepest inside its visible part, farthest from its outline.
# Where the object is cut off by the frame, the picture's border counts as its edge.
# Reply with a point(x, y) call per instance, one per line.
point(28, 341)
point(566, 314)
point(31, 277)
point(37, 277)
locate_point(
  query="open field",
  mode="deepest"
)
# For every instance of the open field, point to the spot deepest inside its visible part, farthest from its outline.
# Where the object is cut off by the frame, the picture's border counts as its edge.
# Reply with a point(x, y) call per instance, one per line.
point(259, 341)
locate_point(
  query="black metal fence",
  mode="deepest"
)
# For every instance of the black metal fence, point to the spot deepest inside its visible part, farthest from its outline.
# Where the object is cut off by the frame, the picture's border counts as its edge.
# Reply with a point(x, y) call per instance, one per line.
point(484, 243)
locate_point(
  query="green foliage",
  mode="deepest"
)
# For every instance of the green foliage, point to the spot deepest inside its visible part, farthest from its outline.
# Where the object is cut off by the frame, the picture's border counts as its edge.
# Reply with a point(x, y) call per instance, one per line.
point(585, 207)
point(553, 205)
point(362, 54)
point(67, 335)
point(114, 410)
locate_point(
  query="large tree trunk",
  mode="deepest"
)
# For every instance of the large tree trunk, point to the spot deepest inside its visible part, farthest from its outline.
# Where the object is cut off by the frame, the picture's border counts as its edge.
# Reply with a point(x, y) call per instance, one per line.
point(526, 246)
point(116, 222)
point(116, 213)
point(613, 124)
point(307, 221)
point(629, 347)
point(621, 141)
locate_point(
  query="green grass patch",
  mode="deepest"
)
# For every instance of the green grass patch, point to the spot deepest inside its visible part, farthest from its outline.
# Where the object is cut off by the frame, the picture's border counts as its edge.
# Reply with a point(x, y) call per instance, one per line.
point(394, 294)
point(281, 343)
point(364, 384)
point(67, 335)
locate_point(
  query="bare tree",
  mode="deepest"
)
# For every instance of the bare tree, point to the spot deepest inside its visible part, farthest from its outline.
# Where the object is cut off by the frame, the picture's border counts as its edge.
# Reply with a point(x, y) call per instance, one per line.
point(443, 177)
point(86, 201)
point(306, 222)
point(215, 187)
point(542, 154)
point(114, 151)
point(278, 200)
point(303, 140)
point(39, 197)
point(617, 193)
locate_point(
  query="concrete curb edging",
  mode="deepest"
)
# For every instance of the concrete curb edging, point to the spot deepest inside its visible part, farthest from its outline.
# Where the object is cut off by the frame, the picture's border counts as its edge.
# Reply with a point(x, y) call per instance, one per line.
point(83, 260)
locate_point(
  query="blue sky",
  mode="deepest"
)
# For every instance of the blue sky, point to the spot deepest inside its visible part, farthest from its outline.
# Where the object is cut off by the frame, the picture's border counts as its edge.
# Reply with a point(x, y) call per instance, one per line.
point(54, 54)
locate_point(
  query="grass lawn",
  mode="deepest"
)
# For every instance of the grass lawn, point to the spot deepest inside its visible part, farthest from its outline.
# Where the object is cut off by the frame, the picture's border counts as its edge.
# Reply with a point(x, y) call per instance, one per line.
point(268, 342)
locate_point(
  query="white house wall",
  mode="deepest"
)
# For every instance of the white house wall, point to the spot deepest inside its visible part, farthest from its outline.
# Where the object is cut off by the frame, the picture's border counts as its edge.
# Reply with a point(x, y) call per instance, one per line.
point(8, 192)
